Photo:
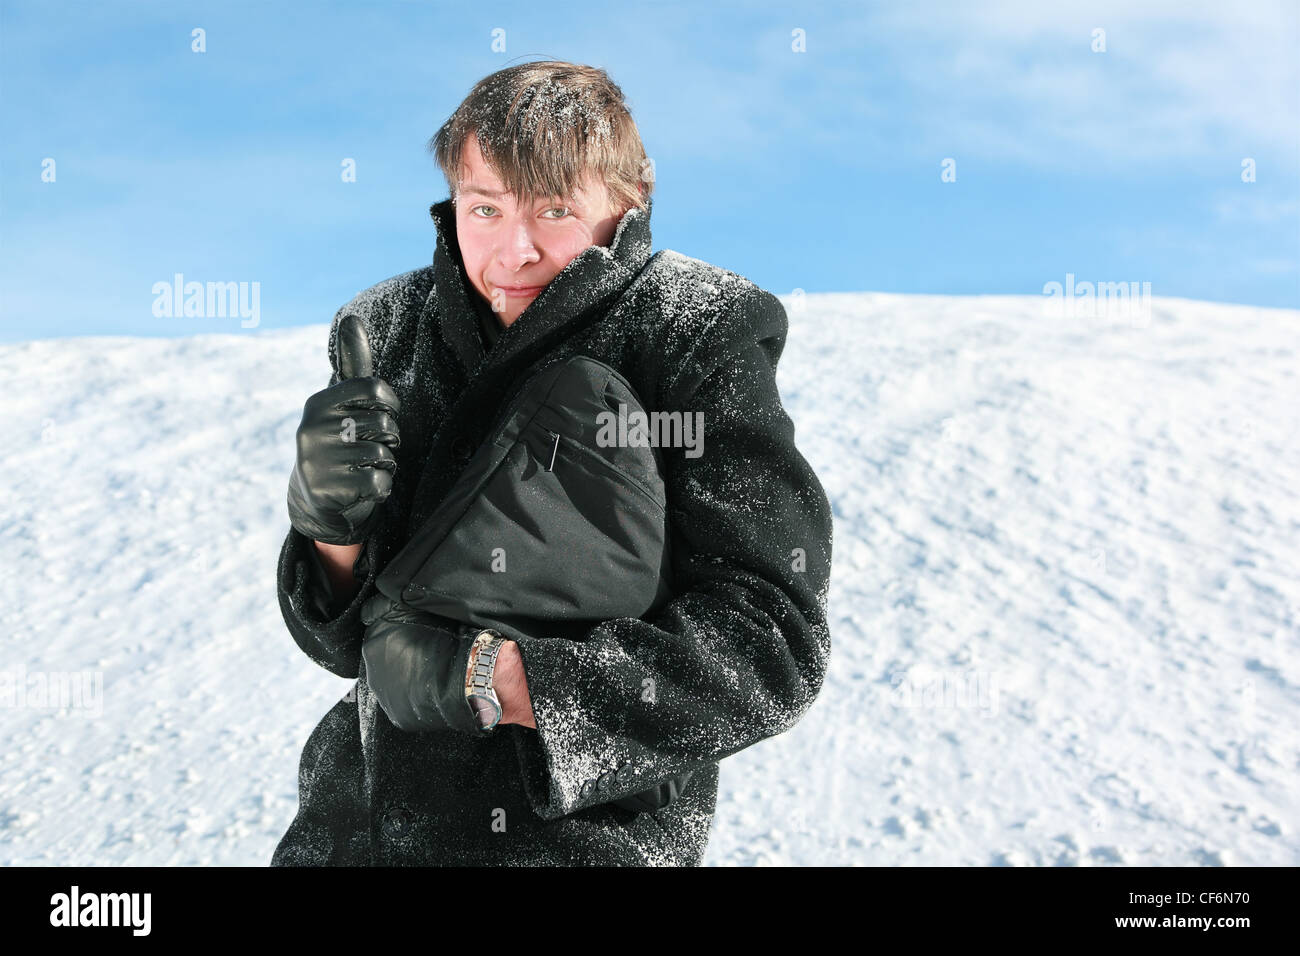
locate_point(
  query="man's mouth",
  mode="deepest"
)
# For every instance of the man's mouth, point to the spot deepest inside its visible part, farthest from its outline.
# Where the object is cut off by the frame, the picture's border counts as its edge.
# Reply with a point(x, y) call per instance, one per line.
point(520, 291)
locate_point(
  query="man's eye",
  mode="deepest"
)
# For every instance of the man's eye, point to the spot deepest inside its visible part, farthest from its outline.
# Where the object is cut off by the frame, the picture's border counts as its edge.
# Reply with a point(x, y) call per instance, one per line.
point(565, 209)
point(481, 206)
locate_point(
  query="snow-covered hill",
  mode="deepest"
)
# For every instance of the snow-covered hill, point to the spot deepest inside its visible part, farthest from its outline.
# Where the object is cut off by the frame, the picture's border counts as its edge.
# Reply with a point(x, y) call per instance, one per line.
point(1065, 612)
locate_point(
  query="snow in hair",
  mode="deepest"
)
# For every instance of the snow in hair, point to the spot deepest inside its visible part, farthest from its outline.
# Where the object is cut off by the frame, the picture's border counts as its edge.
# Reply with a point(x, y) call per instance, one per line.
point(542, 125)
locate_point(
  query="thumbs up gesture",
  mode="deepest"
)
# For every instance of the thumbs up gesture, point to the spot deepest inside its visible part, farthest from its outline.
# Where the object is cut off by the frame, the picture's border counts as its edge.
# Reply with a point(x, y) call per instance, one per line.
point(346, 439)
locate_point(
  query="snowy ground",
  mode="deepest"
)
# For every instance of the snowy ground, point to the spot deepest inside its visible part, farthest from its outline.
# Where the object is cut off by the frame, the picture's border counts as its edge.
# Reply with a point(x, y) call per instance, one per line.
point(1065, 610)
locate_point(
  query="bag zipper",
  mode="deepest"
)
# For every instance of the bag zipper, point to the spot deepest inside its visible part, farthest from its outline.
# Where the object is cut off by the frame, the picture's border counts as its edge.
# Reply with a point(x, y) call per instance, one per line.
point(555, 448)
point(630, 480)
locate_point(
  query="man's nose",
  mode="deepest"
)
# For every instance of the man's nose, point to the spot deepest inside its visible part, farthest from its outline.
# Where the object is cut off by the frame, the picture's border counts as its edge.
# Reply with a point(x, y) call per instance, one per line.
point(518, 249)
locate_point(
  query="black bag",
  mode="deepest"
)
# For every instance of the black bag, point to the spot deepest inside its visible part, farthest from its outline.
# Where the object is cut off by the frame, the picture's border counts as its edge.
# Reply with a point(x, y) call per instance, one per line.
point(549, 525)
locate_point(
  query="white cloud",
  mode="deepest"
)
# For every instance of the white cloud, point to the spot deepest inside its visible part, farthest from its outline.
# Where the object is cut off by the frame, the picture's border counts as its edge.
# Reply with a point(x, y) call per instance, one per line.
point(1018, 80)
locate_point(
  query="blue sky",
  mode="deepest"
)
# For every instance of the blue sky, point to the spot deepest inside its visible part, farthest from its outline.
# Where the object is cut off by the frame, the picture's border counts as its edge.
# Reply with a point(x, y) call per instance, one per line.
point(817, 170)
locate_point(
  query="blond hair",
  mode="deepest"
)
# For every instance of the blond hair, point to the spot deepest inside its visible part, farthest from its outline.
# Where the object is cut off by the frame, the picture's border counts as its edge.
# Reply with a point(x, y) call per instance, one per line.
point(541, 126)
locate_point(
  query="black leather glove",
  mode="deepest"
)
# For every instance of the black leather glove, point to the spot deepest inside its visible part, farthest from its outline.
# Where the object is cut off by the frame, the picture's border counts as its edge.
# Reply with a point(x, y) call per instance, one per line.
point(345, 470)
point(415, 665)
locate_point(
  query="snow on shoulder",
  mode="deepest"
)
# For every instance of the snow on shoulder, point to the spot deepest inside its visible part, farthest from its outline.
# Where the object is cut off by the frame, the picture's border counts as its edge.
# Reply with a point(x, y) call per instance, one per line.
point(694, 293)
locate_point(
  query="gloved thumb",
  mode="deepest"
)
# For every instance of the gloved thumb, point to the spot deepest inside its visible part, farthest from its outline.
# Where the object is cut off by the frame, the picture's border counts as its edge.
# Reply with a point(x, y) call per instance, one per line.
point(374, 608)
point(353, 349)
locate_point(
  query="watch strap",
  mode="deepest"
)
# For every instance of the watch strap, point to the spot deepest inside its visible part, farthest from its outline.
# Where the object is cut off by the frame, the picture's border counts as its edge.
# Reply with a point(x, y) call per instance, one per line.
point(480, 691)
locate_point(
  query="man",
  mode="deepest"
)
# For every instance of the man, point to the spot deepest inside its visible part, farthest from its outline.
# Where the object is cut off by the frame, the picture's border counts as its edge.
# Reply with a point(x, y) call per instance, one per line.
point(543, 253)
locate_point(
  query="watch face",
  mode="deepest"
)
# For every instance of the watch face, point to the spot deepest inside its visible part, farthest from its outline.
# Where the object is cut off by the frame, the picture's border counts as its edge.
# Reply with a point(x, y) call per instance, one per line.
point(487, 710)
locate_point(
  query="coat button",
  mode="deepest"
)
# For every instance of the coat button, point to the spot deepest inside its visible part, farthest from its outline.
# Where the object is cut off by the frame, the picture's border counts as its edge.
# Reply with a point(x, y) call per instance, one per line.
point(605, 780)
point(396, 823)
point(587, 788)
point(624, 773)
point(461, 447)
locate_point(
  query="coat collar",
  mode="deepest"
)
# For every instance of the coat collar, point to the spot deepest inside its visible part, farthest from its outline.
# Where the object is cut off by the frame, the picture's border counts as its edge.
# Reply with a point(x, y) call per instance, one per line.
point(589, 282)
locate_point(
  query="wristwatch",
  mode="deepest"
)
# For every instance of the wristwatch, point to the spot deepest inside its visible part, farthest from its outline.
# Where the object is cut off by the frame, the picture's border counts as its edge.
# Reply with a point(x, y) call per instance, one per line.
point(479, 691)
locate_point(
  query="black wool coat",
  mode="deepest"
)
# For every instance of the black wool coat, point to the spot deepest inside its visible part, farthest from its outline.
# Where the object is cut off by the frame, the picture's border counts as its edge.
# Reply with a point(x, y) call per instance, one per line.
point(737, 655)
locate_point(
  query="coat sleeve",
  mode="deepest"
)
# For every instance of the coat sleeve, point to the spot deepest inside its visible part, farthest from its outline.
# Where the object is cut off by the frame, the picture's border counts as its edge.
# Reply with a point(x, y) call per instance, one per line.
point(740, 652)
point(328, 634)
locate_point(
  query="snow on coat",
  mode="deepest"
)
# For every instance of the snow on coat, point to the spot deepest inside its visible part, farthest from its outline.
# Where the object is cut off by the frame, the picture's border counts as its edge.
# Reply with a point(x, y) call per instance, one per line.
point(737, 656)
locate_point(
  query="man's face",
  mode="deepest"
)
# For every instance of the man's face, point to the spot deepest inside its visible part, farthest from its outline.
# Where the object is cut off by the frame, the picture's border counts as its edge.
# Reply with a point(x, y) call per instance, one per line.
point(512, 251)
